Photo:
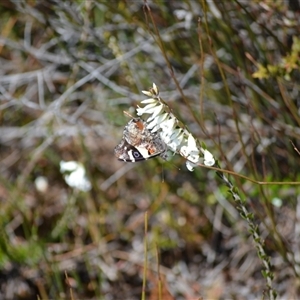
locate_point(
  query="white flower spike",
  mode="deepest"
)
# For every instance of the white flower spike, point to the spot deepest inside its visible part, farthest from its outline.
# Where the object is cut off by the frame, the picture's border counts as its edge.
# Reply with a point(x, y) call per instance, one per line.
point(176, 137)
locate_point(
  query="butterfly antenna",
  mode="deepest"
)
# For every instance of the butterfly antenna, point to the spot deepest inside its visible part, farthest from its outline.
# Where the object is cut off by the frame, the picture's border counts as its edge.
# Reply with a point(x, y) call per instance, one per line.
point(128, 114)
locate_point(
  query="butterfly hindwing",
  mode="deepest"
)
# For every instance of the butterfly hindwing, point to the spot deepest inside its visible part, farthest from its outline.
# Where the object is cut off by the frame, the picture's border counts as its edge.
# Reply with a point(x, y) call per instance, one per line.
point(126, 152)
point(139, 143)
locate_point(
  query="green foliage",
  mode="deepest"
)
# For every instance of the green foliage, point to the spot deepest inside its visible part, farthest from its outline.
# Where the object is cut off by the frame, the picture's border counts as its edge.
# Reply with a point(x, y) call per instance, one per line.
point(29, 253)
point(288, 64)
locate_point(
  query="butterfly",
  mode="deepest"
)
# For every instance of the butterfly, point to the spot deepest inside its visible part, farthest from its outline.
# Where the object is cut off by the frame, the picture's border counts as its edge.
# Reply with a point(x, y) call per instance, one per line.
point(139, 143)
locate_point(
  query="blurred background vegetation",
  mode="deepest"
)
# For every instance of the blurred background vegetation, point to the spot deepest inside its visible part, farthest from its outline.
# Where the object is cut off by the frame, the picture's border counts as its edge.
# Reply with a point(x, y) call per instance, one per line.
point(230, 72)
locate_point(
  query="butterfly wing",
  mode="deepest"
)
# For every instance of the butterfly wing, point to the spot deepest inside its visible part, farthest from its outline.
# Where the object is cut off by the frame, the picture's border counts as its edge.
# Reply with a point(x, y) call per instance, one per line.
point(139, 143)
point(128, 153)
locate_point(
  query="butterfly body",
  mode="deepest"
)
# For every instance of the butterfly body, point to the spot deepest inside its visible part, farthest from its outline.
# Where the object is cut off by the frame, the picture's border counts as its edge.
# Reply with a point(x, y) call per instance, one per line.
point(139, 143)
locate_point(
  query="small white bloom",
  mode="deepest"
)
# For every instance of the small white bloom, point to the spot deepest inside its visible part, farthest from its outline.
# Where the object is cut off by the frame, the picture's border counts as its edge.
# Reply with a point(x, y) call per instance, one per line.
point(190, 166)
point(193, 157)
point(176, 133)
point(150, 100)
point(68, 166)
point(41, 184)
point(173, 138)
point(149, 106)
point(155, 89)
point(149, 109)
point(155, 128)
point(208, 158)
point(190, 151)
point(153, 92)
point(75, 175)
point(190, 148)
point(192, 143)
point(140, 111)
point(174, 144)
point(184, 151)
point(168, 125)
point(157, 110)
point(147, 93)
point(158, 119)
point(152, 122)
point(166, 136)
point(277, 202)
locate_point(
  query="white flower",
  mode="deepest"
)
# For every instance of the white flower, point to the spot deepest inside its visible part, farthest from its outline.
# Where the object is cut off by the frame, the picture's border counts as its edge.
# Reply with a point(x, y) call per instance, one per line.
point(148, 109)
point(176, 133)
point(192, 143)
point(184, 151)
point(191, 153)
point(192, 160)
point(174, 140)
point(75, 175)
point(168, 125)
point(153, 92)
point(147, 93)
point(41, 184)
point(157, 120)
point(150, 100)
point(152, 108)
point(68, 166)
point(194, 157)
point(208, 158)
point(173, 145)
point(155, 89)
point(190, 148)
point(190, 166)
